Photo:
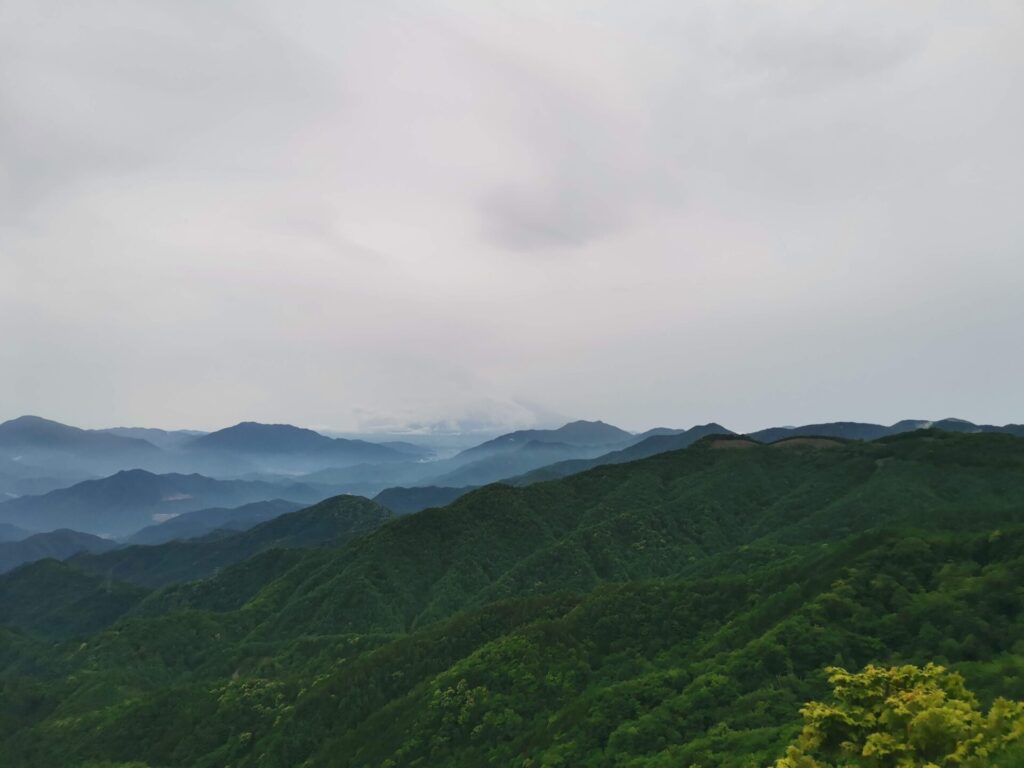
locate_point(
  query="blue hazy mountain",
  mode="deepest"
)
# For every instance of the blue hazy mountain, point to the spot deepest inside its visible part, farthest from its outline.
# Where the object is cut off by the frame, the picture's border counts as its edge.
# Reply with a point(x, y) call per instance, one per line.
point(127, 501)
point(161, 438)
point(10, 532)
point(191, 525)
point(283, 446)
point(45, 448)
point(589, 434)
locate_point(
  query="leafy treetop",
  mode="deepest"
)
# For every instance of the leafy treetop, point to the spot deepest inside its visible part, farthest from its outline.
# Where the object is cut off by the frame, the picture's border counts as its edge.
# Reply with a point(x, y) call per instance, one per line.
point(905, 717)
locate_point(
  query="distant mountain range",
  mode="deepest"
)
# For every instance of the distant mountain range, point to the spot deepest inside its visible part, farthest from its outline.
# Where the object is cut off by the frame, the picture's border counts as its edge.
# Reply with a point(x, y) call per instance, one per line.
point(589, 434)
point(161, 438)
point(853, 430)
point(33, 434)
point(657, 441)
point(283, 444)
point(130, 500)
point(508, 459)
point(191, 525)
point(496, 459)
point(37, 454)
point(33, 448)
point(49, 466)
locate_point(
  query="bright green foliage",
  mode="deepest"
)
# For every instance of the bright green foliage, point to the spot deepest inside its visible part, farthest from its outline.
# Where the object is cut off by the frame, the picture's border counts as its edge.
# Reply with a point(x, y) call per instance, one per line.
point(905, 717)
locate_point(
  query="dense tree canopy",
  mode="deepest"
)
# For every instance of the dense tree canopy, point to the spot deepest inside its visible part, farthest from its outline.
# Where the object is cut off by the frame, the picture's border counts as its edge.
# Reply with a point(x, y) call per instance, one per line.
point(676, 611)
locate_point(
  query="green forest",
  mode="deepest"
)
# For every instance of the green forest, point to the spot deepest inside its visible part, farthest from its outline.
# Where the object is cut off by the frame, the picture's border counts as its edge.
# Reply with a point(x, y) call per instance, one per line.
point(806, 603)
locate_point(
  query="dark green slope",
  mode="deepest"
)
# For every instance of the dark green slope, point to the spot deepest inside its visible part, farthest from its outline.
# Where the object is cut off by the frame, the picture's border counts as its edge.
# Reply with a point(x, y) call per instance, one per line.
point(653, 518)
point(652, 673)
point(333, 522)
point(52, 599)
point(670, 612)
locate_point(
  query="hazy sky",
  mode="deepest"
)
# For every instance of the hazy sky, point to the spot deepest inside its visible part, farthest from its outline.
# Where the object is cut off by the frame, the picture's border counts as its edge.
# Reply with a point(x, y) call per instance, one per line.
point(352, 215)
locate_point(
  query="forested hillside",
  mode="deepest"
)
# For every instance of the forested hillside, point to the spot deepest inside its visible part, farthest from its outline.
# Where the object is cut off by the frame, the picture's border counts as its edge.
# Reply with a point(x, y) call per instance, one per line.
point(674, 611)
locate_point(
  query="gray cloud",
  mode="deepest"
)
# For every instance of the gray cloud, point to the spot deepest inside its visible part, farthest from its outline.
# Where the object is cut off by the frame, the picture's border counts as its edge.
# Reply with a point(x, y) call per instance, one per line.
point(394, 213)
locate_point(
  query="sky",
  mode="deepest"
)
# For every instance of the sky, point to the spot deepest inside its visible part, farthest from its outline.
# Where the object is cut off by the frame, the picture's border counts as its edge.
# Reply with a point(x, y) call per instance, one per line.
point(460, 215)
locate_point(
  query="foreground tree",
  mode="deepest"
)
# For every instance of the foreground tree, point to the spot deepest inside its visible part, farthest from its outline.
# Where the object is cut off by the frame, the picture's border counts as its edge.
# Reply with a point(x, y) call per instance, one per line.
point(906, 717)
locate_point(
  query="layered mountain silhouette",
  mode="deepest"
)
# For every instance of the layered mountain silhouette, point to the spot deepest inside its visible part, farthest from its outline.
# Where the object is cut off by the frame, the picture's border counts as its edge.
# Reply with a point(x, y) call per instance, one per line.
point(130, 500)
point(578, 434)
point(656, 441)
point(331, 522)
point(283, 446)
point(191, 525)
point(32, 434)
point(35, 447)
point(161, 438)
point(853, 430)
point(39, 457)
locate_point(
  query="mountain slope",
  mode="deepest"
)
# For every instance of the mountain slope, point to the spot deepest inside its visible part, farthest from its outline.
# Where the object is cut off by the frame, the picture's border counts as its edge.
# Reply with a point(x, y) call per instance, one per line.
point(661, 441)
point(35, 434)
point(127, 501)
point(646, 519)
point(286, 445)
point(575, 433)
point(513, 460)
point(405, 501)
point(676, 610)
point(46, 451)
point(506, 455)
point(53, 600)
point(331, 522)
point(190, 525)
point(59, 545)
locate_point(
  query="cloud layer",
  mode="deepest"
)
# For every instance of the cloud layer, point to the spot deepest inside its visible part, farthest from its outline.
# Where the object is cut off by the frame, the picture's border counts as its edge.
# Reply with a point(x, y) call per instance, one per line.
point(352, 214)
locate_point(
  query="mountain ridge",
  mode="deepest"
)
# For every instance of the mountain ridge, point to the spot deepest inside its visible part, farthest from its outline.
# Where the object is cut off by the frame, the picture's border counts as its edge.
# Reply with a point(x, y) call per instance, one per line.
point(127, 501)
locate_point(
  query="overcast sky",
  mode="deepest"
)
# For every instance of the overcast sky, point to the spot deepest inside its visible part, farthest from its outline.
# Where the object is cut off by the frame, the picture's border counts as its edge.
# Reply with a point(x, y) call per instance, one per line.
point(358, 215)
